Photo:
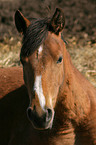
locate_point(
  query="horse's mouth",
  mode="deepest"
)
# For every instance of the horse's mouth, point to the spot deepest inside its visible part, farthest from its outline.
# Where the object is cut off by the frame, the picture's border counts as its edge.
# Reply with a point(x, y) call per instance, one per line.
point(43, 127)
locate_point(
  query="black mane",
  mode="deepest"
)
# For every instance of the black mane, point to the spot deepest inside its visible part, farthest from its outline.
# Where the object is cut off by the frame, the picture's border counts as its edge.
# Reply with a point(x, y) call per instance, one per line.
point(35, 35)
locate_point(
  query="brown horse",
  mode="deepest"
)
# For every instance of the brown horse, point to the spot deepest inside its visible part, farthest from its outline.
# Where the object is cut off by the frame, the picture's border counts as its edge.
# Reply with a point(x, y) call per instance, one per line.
point(62, 103)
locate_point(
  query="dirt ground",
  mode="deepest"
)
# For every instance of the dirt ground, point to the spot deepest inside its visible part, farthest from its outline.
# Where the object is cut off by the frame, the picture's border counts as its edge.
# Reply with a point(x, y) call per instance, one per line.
point(79, 32)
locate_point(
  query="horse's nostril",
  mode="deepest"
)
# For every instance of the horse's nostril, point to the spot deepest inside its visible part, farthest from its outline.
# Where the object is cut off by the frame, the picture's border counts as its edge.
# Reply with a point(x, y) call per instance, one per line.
point(49, 114)
point(29, 112)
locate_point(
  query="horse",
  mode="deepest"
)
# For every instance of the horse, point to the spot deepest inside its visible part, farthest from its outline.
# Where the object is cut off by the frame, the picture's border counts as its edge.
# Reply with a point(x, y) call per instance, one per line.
point(57, 104)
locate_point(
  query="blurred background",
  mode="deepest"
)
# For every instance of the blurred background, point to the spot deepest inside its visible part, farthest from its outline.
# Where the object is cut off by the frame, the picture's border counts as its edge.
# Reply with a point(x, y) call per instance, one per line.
point(79, 32)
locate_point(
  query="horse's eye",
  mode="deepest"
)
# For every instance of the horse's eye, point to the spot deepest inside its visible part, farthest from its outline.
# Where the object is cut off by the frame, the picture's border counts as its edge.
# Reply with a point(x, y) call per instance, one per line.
point(60, 59)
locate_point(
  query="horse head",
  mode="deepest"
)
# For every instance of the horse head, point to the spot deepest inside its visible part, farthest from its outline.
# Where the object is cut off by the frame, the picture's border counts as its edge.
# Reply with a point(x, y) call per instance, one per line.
point(43, 67)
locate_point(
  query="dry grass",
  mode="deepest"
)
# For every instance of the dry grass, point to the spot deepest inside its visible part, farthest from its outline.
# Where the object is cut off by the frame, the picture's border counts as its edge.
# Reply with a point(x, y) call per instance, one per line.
point(83, 57)
point(9, 54)
point(85, 61)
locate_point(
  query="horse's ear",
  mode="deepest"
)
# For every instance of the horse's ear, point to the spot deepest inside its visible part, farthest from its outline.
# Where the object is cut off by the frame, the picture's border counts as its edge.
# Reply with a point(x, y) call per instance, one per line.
point(21, 22)
point(57, 22)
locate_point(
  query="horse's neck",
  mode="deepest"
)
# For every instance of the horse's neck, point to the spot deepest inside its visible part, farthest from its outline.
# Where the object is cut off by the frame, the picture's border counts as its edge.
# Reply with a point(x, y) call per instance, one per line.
point(74, 91)
point(78, 94)
point(76, 100)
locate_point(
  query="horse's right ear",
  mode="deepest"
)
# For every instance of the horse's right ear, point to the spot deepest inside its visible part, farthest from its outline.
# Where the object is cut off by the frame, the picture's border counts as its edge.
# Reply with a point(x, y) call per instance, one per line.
point(21, 22)
point(57, 22)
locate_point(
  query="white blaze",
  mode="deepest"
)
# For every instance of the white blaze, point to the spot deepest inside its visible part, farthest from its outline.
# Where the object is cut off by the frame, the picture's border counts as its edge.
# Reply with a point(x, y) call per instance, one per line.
point(40, 49)
point(39, 91)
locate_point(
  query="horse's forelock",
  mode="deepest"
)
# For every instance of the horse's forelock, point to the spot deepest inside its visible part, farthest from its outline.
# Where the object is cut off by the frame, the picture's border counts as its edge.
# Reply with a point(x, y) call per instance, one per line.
point(35, 35)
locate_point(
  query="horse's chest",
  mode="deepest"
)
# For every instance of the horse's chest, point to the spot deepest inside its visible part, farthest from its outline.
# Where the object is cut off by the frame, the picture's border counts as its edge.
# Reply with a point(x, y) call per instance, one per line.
point(64, 139)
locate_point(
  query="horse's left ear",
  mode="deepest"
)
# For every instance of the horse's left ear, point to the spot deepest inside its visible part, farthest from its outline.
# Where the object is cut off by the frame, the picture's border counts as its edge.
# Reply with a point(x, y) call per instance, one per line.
point(21, 22)
point(57, 22)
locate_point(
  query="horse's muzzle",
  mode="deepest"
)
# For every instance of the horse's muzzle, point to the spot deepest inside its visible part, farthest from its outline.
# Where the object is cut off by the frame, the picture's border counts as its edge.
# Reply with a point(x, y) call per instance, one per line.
point(41, 122)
